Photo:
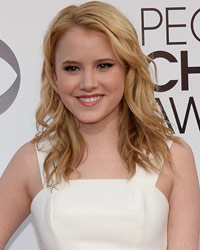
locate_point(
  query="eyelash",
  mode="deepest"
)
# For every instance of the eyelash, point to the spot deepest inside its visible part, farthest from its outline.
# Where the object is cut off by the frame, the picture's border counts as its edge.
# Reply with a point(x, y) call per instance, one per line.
point(71, 68)
point(105, 65)
point(100, 66)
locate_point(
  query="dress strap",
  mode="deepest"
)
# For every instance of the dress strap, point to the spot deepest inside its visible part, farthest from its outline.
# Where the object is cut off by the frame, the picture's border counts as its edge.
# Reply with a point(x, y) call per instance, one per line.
point(41, 157)
point(150, 177)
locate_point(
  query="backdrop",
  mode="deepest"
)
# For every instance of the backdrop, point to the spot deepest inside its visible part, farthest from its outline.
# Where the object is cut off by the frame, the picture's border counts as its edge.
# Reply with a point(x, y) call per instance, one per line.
point(169, 31)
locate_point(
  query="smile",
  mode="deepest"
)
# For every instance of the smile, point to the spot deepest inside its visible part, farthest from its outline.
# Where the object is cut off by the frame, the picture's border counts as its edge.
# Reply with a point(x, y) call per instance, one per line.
point(90, 101)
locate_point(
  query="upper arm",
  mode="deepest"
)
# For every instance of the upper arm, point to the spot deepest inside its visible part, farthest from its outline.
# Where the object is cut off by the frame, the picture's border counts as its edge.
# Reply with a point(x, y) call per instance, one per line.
point(184, 202)
point(15, 198)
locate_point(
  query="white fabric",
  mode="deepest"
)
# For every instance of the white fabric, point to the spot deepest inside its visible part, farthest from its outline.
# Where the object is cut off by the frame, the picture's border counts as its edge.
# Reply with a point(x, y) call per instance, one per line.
point(104, 214)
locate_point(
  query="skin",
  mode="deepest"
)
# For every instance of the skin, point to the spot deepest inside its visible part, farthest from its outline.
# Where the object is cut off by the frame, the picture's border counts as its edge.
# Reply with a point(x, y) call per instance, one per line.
point(98, 125)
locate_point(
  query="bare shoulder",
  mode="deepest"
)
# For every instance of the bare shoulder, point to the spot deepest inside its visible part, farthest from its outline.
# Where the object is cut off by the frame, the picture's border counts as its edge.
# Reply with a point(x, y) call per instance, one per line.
point(23, 168)
point(185, 177)
point(18, 184)
point(184, 214)
point(183, 158)
point(181, 147)
point(24, 158)
point(183, 163)
point(26, 153)
point(23, 161)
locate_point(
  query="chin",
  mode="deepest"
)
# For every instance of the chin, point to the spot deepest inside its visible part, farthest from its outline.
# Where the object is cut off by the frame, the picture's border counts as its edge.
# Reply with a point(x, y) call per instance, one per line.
point(89, 120)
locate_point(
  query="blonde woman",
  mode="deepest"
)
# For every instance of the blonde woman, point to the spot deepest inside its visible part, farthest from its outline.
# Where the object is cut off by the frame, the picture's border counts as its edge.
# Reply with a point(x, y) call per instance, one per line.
point(104, 171)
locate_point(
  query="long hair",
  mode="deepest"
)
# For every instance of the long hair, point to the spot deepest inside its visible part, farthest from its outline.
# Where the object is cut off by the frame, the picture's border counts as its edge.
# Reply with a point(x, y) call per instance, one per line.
point(143, 132)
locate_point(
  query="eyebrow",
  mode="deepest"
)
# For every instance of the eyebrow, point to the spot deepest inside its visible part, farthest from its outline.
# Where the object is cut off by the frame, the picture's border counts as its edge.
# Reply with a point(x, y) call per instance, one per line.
point(97, 61)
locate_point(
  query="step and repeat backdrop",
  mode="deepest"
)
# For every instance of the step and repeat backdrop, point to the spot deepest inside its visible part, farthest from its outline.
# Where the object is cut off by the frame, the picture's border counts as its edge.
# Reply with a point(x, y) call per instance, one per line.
point(169, 32)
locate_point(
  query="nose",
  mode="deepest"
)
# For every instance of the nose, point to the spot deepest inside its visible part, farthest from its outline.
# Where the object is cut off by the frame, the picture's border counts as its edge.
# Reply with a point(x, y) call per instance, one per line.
point(88, 80)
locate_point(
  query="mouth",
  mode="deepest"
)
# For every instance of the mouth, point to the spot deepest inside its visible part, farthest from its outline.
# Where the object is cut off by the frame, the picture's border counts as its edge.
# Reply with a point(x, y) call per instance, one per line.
point(90, 100)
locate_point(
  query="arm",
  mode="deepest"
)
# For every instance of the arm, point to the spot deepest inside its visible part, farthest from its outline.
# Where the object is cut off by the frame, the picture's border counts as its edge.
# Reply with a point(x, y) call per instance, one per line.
point(16, 189)
point(184, 202)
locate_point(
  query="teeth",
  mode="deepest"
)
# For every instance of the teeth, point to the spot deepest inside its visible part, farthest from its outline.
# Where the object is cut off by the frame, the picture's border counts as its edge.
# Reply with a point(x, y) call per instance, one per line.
point(90, 99)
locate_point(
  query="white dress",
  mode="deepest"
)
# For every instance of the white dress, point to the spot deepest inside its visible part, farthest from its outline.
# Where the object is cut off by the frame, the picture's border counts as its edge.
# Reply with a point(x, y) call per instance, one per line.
point(102, 214)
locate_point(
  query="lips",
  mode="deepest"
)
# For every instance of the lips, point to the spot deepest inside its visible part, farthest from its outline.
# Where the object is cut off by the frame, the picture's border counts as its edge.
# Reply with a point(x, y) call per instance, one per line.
point(90, 100)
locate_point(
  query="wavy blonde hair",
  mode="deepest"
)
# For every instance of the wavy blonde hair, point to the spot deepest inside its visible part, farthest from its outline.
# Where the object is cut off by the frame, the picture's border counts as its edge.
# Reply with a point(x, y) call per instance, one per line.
point(143, 132)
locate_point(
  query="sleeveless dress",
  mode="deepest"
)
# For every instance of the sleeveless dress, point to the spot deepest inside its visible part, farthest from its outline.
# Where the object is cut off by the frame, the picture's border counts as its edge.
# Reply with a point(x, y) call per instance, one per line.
point(102, 214)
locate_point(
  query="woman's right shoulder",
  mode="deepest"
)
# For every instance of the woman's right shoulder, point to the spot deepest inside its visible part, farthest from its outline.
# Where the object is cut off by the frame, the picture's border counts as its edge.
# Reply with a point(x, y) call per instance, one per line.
point(26, 155)
point(24, 168)
point(24, 162)
point(19, 183)
point(27, 148)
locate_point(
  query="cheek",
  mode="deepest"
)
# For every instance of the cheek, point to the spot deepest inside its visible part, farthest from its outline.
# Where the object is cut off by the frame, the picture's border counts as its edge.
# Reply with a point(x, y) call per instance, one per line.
point(116, 82)
point(65, 86)
point(65, 91)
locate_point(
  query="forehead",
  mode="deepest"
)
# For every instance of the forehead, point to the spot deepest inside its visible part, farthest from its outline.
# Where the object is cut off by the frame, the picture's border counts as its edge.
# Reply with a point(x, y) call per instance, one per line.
point(79, 41)
point(82, 32)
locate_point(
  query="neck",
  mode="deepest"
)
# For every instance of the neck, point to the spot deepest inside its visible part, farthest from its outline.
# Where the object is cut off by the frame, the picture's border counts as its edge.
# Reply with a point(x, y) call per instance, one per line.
point(102, 135)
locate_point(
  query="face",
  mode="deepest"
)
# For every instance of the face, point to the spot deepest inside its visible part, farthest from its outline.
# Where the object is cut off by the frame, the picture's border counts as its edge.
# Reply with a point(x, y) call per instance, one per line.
point(88, 77)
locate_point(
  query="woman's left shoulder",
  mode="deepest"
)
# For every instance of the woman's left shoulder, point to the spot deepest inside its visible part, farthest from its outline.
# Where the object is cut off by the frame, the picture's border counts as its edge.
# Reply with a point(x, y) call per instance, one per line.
point(182, 157)
point(184, 174)
point(180, 145)
point(184, 201)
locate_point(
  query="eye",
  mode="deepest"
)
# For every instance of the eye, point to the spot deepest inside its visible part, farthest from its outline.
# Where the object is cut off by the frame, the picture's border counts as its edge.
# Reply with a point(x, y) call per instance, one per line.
point(105, 65)
point(71, 68)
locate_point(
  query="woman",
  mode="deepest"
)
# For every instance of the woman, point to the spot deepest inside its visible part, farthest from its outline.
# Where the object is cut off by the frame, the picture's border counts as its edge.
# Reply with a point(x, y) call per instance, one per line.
point(104, 170)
